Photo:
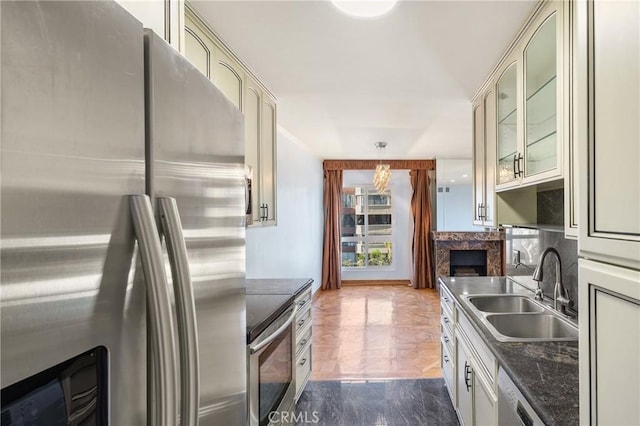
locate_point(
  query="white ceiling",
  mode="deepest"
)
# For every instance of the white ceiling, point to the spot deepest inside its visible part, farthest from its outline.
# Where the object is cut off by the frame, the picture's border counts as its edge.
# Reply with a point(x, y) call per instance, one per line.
point(342, 84)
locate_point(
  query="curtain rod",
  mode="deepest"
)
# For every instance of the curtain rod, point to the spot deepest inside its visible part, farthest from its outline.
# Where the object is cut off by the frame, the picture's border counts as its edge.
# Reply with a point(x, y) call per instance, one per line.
point(371, 164)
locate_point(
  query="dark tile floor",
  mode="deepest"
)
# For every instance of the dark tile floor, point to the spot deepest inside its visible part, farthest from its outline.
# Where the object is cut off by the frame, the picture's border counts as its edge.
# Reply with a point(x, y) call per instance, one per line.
point(418, 402)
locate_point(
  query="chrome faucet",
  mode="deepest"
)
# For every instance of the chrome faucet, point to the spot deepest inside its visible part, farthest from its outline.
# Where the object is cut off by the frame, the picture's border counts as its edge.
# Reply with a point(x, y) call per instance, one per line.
point(560, 293)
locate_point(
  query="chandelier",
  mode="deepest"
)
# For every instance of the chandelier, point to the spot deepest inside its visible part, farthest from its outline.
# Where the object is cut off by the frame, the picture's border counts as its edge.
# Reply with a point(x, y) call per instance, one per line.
point(383, 171)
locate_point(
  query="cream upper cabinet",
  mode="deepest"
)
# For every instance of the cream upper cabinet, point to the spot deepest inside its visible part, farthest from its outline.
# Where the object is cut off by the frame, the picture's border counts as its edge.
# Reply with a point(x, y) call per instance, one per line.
point(198, 49)
point(252, 126)
point(530, 104)
point(490, 216)
point(260, 124)
point(541, 99)
point(478, 162)
point(213, 61)
point(211, 56)
point(508, 126)
point(484, 152)
point(228, 76)
point(268, 162)
point(607, 111)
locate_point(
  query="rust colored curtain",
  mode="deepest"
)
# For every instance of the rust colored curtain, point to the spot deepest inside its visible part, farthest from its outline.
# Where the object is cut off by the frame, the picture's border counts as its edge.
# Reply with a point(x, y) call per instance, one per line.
point(421, 211)
point(331, 264)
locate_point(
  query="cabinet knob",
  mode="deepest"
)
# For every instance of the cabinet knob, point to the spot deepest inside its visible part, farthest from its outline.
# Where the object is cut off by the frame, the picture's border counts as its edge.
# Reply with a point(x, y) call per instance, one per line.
point(303, 362)
point(300, 323)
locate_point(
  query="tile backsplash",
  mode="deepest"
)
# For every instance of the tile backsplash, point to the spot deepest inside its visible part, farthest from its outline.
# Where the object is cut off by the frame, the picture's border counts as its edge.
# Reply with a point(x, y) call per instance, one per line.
point(530, 243)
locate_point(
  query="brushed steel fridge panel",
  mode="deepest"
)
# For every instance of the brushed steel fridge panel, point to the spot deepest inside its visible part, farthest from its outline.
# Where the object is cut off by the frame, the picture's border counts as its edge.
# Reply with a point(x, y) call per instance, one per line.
point(195, 151)
point(72, 149)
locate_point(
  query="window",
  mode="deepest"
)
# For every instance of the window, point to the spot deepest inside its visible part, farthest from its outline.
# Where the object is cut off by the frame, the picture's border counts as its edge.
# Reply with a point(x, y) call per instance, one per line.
point(366, 228)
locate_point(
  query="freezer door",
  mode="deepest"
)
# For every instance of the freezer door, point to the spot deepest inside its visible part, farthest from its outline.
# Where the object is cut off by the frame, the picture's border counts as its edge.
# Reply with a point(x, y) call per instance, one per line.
point(195, 148)
point(72, 149)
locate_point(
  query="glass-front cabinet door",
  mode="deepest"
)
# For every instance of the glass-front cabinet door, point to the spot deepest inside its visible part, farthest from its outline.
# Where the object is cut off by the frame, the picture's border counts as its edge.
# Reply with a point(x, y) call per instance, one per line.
point(541, 100)
point(507, 129)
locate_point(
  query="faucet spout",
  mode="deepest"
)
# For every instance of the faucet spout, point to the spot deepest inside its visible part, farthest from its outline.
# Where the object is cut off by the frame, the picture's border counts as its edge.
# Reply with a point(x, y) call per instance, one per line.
point(560, 293)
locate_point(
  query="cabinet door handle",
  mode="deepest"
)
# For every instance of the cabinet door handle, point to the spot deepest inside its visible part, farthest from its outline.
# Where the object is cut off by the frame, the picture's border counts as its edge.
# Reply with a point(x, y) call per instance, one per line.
point(467, 373)
point(304, 302)
point(515, 166)
point(304, 342)
point(520, 157)
point(300, 323)
point(446, 299)
point(304, 360)
point(446, 358)
point(266, 216)
point(446, 320)
point(446, 339)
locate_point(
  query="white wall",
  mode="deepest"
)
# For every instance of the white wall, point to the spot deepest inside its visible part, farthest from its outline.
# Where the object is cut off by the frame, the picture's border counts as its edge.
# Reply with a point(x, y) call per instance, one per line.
point(400, 186)
point(293, 248)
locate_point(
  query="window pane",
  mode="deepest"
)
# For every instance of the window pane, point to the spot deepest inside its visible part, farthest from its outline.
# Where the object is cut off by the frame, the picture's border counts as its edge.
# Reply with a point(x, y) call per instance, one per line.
point(379, 224)
point(353, 254)
point(348, 225)
point(380, 254)
point(376, 199)
point(348, 198)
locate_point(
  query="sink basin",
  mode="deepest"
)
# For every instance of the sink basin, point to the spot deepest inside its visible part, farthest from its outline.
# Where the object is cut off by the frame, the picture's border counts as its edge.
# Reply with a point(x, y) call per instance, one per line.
point(519, 327)
point(500, 303)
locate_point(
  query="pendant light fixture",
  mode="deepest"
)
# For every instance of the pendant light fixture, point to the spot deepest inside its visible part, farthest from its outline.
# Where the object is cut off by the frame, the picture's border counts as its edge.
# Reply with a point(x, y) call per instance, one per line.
point(383, 171)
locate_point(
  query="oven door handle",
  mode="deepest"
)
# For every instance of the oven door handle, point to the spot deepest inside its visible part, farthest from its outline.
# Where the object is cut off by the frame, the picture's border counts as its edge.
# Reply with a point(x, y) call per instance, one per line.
point(275, 334)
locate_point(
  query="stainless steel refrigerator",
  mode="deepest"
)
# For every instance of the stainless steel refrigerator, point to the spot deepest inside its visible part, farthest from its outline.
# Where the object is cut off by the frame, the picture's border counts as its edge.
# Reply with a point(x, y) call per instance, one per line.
point(116, 307)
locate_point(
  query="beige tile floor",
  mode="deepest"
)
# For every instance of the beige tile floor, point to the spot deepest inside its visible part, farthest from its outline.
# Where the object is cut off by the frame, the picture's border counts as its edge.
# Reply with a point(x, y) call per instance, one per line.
point(362, 332)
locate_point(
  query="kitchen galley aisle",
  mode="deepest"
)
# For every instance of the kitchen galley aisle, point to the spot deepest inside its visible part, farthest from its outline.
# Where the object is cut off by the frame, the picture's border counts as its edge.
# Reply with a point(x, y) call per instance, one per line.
point(376, 331)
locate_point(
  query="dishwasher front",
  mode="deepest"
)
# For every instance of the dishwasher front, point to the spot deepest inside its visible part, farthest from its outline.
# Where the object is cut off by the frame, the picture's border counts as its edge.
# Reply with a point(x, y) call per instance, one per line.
point(513, 408)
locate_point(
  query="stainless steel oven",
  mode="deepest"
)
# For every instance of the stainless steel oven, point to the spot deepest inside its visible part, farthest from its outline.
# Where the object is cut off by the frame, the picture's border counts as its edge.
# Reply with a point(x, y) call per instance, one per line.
point(271, 378)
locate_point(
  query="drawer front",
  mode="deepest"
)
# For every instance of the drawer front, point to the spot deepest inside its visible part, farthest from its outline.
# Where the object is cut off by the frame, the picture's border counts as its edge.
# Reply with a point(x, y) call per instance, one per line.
point(446, 318)
point(303, 338)
point(303, 319)
point(446, 299)
point(446, 335)
point(303, 300)
point(303, 369)
point(447, 362)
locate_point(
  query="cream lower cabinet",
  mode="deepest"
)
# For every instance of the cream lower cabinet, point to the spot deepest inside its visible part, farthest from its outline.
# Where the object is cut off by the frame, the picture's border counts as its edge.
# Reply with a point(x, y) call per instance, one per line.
point(303, 341)
point(470, 373)
point(609, 344)
point(477, 401)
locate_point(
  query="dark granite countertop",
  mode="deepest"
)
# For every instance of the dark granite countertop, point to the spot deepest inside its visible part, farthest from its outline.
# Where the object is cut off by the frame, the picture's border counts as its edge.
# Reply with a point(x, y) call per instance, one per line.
point(268, 298)
point(293, 286)
point(545, 372)
point(263, 309)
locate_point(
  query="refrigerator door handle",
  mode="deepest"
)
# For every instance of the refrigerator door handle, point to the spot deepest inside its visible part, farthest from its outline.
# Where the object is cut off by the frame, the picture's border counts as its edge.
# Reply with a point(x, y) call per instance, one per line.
point(161, 398)
point(171, 228)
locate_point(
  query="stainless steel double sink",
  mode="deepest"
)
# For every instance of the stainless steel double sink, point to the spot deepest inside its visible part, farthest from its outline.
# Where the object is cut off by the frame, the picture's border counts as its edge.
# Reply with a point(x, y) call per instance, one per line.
point(519, 318)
